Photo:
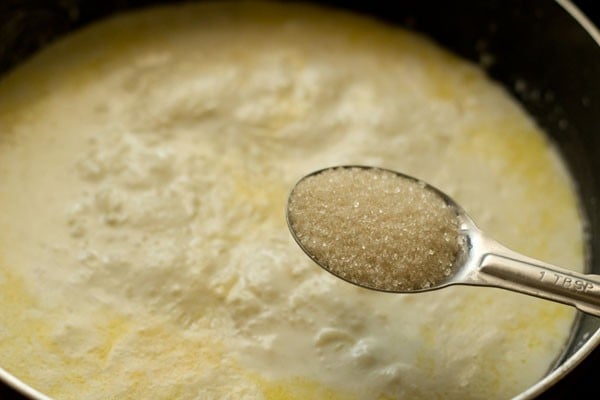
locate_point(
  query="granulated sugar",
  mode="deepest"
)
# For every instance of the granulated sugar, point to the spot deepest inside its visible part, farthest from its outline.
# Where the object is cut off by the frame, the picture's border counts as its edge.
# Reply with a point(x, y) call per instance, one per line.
point(375, 228)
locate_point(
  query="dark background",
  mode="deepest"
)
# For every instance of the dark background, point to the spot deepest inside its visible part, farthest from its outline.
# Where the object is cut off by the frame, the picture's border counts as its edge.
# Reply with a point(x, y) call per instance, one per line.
point(581, 382)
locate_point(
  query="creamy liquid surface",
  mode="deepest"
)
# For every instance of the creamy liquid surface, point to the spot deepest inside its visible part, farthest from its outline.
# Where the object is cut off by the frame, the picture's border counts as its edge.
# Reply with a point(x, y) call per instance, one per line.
point(145, 164)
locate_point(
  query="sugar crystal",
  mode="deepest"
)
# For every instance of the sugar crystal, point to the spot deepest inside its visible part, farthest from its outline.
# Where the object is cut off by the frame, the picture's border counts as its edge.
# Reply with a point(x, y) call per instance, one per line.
point(403, 236)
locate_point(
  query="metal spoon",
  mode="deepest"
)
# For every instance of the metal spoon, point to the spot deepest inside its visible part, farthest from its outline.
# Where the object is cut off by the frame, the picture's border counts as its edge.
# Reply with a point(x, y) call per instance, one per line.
point(485, 262)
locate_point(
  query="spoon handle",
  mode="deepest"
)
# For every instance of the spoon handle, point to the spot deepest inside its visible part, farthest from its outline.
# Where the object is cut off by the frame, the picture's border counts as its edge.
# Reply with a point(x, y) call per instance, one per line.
point(506, 269)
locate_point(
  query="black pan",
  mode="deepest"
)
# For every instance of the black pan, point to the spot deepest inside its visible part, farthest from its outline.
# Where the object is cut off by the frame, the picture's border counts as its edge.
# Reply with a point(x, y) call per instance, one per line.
point(545, 52)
